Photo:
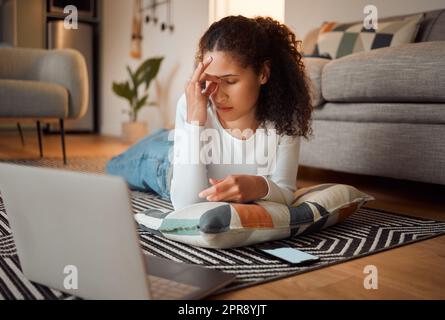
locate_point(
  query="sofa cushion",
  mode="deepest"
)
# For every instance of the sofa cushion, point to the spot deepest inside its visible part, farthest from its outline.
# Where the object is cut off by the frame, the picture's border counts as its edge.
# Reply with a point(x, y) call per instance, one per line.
point(226, 225)
point(382, 112)
point(28, 99)
point(432, 28)
point(409, 73)
point(347, 38)
point(314, 68)
point(395, 150)
point(309, 41)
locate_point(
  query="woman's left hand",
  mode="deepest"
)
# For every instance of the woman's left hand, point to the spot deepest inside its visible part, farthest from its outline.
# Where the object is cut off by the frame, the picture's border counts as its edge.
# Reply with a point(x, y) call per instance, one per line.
point(236, 188)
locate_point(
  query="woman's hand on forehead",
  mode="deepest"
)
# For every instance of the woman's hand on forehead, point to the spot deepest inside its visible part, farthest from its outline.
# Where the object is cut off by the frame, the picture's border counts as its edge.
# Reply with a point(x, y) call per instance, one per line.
point(197, 99)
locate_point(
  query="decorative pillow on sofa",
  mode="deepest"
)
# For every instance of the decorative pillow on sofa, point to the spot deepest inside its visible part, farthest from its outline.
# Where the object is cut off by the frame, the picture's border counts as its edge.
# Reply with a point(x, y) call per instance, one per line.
point(226, 225)
point(340, 39)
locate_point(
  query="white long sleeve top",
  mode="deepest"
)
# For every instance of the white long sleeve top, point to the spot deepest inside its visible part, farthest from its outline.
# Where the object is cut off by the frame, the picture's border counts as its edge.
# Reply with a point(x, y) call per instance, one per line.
point(210, 151)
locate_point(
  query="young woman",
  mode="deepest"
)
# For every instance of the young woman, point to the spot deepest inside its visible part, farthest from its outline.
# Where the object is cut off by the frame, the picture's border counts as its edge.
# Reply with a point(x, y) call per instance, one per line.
point(249, 85)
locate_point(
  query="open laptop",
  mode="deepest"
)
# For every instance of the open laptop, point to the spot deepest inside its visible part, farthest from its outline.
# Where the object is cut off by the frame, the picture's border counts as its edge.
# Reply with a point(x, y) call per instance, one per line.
point(75, 232)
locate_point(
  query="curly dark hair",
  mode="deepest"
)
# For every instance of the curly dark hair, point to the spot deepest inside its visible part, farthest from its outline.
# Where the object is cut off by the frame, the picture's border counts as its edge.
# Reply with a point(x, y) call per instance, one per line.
point(285, 99)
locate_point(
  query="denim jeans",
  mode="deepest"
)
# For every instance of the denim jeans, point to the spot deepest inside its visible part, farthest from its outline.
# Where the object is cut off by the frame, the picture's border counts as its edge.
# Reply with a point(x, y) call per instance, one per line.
point(146, 166)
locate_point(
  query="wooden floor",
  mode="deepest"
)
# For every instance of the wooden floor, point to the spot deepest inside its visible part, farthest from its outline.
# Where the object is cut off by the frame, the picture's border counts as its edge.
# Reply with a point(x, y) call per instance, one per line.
point(416, 271)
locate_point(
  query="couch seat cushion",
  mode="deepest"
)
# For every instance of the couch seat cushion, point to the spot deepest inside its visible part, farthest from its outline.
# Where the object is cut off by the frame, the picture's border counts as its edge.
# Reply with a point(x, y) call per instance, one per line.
point(28, 99)
point(409, 73)
point(426, 113)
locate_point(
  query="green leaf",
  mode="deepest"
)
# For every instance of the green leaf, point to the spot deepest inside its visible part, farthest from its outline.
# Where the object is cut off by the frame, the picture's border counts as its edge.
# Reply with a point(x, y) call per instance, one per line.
point(140, 103)
point(153, 72)
point(148, 70)
point(134, 80)
point(146, 65)
point(123, 90)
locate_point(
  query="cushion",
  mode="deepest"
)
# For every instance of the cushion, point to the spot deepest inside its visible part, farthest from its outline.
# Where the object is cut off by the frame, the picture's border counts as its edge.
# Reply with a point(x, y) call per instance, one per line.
point(432, 27)
point(314, 67)
point(29, 99)
point(340, 39)
point(309, 42)
point(227, 225)
point(382, 112)
point(412, 72)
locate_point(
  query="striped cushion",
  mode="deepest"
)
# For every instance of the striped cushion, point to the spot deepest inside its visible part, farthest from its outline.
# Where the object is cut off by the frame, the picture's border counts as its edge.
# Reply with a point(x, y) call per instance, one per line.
point(340, 39)
point(226, 225)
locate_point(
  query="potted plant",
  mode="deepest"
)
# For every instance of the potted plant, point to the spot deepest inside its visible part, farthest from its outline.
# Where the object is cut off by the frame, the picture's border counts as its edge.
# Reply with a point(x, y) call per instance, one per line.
point(137, 97)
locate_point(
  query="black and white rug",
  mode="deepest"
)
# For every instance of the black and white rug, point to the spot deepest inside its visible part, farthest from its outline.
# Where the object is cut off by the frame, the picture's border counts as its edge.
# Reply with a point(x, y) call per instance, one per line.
point(80, 164)
point(367, 232)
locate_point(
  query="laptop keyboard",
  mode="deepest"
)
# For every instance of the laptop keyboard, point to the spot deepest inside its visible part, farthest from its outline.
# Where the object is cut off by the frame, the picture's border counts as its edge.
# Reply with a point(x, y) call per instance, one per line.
point(165, 289)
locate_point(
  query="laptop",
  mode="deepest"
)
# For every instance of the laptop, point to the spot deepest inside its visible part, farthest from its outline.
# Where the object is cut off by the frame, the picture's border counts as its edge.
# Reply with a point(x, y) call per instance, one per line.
point(76, 232)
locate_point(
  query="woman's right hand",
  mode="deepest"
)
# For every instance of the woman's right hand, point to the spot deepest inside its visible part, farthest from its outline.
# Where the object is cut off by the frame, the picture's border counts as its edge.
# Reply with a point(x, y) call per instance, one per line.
point(197, 99)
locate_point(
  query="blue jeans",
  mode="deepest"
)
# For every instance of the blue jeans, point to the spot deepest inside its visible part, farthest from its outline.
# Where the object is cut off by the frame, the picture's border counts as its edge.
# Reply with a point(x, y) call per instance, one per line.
point(146, 166)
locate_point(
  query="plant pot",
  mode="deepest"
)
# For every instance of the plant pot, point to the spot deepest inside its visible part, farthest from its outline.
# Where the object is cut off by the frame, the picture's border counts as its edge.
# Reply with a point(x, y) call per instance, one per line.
point(133, 131)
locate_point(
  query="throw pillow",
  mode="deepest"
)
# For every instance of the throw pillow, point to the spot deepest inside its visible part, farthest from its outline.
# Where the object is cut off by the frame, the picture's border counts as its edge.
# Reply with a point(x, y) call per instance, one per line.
point(340, 39)
point(226, 225)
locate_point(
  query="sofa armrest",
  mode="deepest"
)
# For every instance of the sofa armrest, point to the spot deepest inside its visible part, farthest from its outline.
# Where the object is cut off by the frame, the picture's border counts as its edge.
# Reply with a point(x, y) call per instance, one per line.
point(314, 70)
point(408, 73)
point(67, 68)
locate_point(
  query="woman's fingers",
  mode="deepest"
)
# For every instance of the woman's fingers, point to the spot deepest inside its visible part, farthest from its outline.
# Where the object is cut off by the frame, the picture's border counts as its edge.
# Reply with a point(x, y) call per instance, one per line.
point(207, 192)
point(197, 102)
point(229, 195)
point(208, 77)
point(200, 70)
point(215, 181)
point(222, 186)
point(197, 73)
point(210, 89)
point(221, 190)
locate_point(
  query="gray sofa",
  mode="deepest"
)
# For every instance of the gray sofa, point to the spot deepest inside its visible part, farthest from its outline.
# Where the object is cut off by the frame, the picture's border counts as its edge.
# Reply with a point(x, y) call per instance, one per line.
point(382, 112)
point(42, 86)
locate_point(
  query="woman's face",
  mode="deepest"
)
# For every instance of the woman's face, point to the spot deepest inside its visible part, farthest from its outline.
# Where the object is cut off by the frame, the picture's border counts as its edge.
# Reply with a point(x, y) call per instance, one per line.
point(237, 94)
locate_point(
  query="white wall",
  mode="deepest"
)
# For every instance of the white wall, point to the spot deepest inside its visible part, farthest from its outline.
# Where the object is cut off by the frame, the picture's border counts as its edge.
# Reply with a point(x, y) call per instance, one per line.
point(304, 15)
point(249, 8)
point(116, 32)
point(190, 19)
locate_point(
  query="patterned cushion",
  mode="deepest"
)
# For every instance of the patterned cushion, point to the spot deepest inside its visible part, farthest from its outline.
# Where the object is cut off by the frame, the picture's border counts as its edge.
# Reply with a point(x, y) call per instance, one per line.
point(340, 39)
point(226, 225)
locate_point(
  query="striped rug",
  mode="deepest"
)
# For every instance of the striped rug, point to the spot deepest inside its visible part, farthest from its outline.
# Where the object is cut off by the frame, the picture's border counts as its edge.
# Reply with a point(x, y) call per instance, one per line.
point(367, 232)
